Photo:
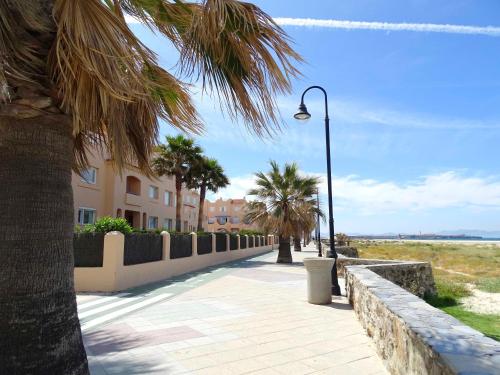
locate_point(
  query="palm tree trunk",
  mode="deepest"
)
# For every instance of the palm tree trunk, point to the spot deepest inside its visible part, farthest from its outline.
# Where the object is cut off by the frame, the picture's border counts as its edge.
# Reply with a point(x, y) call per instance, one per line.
point(40, 331)
point(296, 243)
point(203, 192)
point(178, 203)
point(284, 253)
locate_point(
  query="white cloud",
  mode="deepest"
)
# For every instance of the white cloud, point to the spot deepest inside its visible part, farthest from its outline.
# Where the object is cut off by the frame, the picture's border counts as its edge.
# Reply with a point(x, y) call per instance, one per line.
point(368, 196)
point(389, 26)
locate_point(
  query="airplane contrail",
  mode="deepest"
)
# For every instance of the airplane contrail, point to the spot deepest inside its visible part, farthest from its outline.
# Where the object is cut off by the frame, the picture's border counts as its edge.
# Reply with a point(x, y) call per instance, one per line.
point(389, 26)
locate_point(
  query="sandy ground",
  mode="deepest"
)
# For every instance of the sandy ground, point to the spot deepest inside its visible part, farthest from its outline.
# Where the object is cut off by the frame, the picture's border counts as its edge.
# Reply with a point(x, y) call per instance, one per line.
point(482, 302)
point(461, 242)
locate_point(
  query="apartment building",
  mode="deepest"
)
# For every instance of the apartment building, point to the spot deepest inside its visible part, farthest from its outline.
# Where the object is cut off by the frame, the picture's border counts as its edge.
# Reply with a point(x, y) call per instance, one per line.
point(226, 216)
point(146, 203)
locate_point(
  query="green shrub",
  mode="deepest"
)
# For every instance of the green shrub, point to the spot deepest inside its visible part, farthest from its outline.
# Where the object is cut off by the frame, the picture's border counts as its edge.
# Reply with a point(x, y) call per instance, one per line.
point(87, 228)
point(250, 232)
point(109, 224)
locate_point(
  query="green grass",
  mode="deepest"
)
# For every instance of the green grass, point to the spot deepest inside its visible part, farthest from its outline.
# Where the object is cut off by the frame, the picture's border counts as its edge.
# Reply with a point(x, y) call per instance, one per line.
point(454, 266)
point(490, 285)
point(447, 299)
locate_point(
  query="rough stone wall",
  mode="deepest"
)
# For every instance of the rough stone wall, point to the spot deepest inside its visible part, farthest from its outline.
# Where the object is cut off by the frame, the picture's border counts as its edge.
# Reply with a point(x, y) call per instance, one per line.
point(411, 336)
point(347, 251)
point(415, 277)
point(342, 262)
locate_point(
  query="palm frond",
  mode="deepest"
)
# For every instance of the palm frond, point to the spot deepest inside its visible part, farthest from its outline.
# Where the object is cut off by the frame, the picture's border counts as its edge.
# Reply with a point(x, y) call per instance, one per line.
point(20, 59)
point(236, 49)
point(110, 83)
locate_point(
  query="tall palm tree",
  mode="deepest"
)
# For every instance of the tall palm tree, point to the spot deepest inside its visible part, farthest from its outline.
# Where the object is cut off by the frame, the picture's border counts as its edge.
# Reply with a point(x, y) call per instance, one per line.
point(206, 175)
point(177, 157)
point(72, 74)
point(283, 202)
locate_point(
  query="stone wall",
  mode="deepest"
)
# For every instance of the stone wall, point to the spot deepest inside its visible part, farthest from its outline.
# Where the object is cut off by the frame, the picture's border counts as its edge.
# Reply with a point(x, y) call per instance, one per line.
point(415, 277)
point(347, 251)
point(411, 336)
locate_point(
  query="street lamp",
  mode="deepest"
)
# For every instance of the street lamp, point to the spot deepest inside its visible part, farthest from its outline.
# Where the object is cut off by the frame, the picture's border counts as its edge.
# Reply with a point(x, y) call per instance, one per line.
point(303, 114)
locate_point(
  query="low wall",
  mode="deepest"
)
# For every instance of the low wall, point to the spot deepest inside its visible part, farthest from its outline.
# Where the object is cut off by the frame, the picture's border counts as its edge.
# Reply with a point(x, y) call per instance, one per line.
point(415, 277)
point(347, 251)
point(114, 275)
point(411, 336)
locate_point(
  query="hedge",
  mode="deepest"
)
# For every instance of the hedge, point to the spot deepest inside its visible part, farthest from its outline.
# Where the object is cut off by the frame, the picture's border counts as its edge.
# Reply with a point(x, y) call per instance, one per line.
point(204, 244)
point(243, 242)
point(88, 249)
point(142, 248)
point(180, 246)
point(233, 242)
point(220, 242)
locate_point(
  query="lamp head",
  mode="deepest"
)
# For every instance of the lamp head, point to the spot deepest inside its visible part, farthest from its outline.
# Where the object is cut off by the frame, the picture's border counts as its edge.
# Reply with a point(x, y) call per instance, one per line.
point(302, 114)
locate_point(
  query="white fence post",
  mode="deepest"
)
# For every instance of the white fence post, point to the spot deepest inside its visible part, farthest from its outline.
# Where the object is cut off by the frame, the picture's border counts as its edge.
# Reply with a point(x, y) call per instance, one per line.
point(214, 243)
point(194, 243)
point(166, 245)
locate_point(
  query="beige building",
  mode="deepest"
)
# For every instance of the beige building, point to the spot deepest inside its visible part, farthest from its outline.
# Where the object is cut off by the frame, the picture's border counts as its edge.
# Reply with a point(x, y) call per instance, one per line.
point(226, 216)
point(146, 203)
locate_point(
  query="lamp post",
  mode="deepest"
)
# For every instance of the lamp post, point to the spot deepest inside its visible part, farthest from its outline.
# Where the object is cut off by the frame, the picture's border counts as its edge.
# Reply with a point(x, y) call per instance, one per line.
point(303, 114)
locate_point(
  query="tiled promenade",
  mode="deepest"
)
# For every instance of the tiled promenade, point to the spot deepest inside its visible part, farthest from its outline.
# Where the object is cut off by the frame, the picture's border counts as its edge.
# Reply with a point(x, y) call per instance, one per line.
point(250, 316)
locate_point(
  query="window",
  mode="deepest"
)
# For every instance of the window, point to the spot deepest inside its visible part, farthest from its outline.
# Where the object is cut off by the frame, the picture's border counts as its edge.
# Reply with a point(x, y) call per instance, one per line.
point(133, 185)
point(167, 224)
point(235, 220)
point(89, 176)
point(211, 220)
point(168, 198)
point(153, 192)
point(222, 220)
point(237, 208)
point(211, 209)
point(152, 222)
point(86, 216)
point(223, 209)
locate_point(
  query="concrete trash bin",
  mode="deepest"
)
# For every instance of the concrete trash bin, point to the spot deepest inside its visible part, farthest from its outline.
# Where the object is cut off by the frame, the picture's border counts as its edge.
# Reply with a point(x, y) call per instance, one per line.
point(319, 280)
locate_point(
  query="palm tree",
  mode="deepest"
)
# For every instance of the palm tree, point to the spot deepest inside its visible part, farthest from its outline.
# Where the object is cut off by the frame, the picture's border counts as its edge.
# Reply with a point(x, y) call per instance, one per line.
point(283, 202)
point(177, 157)
point(206, 175)
point(306, 222)
point(72, 74)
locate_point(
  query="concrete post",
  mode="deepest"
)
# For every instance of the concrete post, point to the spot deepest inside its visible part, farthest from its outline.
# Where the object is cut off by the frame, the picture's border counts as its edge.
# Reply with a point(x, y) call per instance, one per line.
point(194, 243)
point(238, 242)
point(214, 243)
point(228, 242)
point(113, 252)
point(166, 245)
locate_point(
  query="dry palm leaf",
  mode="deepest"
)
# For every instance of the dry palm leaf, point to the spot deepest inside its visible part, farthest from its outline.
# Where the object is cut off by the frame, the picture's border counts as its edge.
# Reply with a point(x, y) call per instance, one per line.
point(19, 58)
point(110, 83)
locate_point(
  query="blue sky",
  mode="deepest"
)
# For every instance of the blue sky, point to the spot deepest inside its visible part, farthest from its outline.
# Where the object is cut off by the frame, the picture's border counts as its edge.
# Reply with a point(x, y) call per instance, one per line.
point(415, 115)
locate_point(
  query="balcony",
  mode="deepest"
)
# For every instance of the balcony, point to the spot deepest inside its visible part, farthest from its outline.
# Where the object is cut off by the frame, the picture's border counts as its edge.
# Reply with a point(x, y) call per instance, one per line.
point(133, 199)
